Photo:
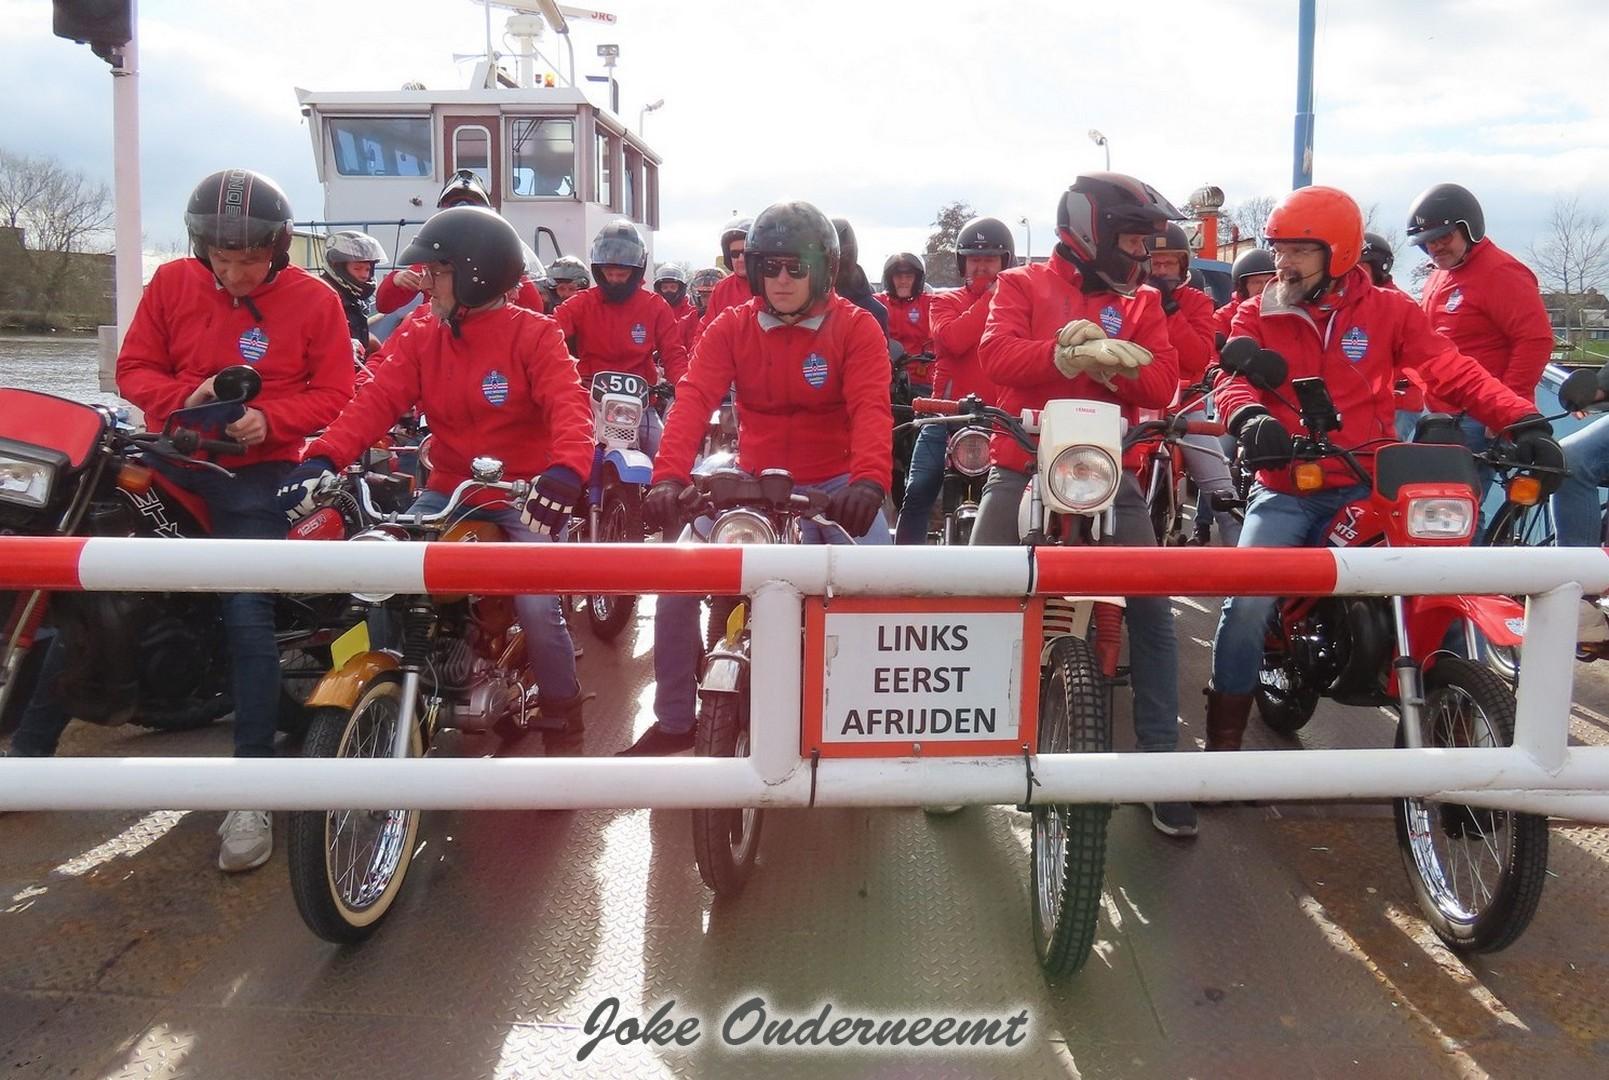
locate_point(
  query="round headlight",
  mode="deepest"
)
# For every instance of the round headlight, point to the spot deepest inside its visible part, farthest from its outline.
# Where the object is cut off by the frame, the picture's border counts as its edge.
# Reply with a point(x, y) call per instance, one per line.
point(742, 527)
point(383, 533)
point(1083, 477)
point(969, 452)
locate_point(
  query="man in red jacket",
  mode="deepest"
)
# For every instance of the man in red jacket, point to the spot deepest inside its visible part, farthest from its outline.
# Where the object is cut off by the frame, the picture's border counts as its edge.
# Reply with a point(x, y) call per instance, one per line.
point(617, 325)
point(495, 379)
point(670, 282)
point(1378, 258)
point(1482, 298)
point(909, 303)
point(1083, 326)
point(1252, 271)
point(983, 248)
point(733, 289)
point(1328, 320)
point(811, 375)
point(240, 301)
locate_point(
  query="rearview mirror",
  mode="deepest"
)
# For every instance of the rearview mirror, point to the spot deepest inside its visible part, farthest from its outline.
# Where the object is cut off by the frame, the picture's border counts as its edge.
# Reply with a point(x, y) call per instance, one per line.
point(237, 384)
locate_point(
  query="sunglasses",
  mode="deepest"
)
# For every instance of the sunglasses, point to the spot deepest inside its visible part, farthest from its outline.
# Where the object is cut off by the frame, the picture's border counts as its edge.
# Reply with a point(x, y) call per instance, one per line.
point(774, 267)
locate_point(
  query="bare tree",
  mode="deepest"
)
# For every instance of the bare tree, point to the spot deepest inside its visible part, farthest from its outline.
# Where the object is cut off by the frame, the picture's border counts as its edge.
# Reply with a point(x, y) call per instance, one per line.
point(1573, 258)
point(941, 243)
point(1250, 216)
point(1372, 223)
point(61, 213)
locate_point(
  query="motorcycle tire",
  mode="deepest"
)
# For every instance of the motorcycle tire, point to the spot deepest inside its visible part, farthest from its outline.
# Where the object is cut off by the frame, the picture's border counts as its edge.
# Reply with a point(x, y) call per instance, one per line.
point(619, 522)
point(725, 841)
point(1067, 859)
point(346, 904)
point(1514, 526)
point(1467, 705)
point(1285, 701)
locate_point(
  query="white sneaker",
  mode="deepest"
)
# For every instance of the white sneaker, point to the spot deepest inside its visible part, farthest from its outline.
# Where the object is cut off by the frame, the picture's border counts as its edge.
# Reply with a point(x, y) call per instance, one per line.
point(248, 840)
point(943, 809)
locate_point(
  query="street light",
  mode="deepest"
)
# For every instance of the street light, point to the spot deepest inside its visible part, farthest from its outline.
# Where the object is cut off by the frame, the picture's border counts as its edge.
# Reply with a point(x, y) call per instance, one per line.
point(642, 114)
point(1029, 229)
point(1100, 140)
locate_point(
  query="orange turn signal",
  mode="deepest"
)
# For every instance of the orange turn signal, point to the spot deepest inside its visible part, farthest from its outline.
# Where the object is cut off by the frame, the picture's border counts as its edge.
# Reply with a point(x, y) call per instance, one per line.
point(1309, 476)
point(1525, 491)
point(135, 479)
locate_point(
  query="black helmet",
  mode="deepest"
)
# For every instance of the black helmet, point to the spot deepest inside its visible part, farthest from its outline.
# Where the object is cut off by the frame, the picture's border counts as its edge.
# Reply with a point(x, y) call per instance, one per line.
point(236, 209)
point(848, 252)
point(1377, 254)
point(483, 248)
point(619, 244)
point(907, 262)
point(797, 230)
point(1440, 209)
point(985, 236)
point(350, 246)
point(571, 269)
point(463, 188)
point(736, 229)
point(705, 279)
point(671, 272)
point(1251, 262)
point(1173, 241)
point(1092, 214)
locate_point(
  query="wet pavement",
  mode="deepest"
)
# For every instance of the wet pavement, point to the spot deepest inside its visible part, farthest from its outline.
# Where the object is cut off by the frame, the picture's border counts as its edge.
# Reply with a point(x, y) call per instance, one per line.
point(1283, 942)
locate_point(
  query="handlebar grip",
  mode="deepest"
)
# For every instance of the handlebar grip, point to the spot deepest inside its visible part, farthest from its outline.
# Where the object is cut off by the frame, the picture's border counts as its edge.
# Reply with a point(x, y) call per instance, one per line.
point(222, 446)
point(1204, 427)
point(933, 406)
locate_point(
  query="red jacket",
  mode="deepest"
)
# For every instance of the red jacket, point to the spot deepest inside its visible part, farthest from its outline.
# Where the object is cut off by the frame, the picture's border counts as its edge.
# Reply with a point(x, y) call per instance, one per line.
point(1360, 348)
point(1490, 307)
point(389, 296)
point(506, 388)
point(687, 318)
point(1191, 330)
point(908, 324)
point(187, 328)
point(622, 337)
point(1031, 305)
point(730, 291)
point(812, 400)
point(957, 319)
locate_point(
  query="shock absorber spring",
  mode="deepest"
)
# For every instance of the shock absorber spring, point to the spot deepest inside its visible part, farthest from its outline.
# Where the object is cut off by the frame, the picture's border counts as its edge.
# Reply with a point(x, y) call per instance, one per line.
point(418, 629)
point(1108, 636)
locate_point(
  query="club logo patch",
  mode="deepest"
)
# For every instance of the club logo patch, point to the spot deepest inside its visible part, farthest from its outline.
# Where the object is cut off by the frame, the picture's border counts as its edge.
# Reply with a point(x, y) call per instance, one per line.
point(1355, 343)
point(1455, 299)
point(1111, 320)
point(1515, 626)
point(639, 334)
point(253, 345)
point(913, 316)
point(495, 387)
point(815, 370)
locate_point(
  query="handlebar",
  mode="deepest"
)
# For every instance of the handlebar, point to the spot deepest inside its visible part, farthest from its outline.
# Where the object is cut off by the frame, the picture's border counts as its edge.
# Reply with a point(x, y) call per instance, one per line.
point(516, 490)
point(932, 406)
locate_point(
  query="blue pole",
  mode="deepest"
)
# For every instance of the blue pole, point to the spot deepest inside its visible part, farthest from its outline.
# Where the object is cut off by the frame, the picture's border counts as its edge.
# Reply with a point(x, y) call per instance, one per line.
point(1302, 165)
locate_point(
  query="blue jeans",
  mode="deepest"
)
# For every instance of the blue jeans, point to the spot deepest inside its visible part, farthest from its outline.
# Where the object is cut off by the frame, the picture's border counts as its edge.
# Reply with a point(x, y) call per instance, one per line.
point(649, 431)
point(924, 480)
point(1407, 420)
point(1577, 513)
point(547, 640)
point(1478, 441)
point(1273, 519)
point(678, 646)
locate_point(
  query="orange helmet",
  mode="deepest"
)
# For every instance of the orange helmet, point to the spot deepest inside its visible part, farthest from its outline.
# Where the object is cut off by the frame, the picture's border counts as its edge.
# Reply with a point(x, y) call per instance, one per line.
point(1323, 215)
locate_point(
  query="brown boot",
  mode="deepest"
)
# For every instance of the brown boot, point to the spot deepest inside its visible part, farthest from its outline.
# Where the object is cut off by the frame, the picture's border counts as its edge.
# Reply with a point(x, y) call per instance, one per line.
point(1226, 719)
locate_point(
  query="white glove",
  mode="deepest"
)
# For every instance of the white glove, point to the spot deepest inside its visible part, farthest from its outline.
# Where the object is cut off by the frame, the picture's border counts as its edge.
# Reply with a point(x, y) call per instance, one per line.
point(1078, 332)
point(1110, 356)
point(1073, 361)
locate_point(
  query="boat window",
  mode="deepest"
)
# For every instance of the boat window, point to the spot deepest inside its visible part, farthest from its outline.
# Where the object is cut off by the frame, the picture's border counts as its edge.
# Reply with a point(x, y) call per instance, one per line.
point(650, 194)
point(604, 163)
point(542, 156)
point(631, 195)
point(381, 145)
point(472, 150)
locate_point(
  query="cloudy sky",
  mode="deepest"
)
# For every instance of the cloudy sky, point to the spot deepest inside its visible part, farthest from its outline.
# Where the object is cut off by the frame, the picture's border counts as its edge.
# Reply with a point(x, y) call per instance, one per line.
point(882, 112)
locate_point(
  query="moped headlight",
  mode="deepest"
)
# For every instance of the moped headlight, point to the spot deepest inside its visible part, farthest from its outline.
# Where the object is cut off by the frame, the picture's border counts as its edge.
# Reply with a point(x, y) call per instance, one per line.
point(25, 481)
point(969, 452)
point(382, 533)
point(622, 413)
point(742, 527)
point(1083, 477)
point(1441, 519)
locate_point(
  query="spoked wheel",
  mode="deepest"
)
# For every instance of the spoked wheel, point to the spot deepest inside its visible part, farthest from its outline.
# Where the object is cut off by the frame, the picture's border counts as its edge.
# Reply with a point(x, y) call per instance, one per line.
point(347, 866)
point(619, 522)
point(1285, 699)
point(1159, 502)
point(724, 841)
point(1477, 873)
point(1068, 856)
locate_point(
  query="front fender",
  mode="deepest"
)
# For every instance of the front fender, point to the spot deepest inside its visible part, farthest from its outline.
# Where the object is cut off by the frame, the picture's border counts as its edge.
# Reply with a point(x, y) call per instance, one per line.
point(632, 466)
point(1500, 619)
point(341, 688)
point(723, 674)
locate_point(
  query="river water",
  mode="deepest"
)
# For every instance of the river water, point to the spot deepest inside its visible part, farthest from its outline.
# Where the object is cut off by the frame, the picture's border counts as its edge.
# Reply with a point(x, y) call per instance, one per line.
point(63, 364)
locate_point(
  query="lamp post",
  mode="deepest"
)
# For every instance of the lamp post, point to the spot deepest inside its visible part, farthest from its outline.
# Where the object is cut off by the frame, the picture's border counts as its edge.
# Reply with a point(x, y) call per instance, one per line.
point(1100, 140)
point(1027, 228)
point(642, 114)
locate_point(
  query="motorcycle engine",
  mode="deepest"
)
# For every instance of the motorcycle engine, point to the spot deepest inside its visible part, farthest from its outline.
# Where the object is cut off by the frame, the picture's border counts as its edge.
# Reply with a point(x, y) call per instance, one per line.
point(1345, 642)
point(177, 642)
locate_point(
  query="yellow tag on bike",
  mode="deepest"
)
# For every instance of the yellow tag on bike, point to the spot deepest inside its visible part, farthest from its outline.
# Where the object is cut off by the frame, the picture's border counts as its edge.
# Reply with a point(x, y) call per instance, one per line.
point(735, 623)
point(348, 645)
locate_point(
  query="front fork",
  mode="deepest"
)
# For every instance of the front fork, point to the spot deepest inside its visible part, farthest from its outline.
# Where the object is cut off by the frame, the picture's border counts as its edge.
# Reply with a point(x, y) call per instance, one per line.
point(1410, 679)
point(30, 612)
point(418, 624)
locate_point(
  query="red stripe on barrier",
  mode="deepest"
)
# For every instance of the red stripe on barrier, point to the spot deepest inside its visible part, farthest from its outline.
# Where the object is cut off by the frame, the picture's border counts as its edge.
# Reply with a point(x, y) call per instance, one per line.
point(511, 569)
point(41, 562)
point(1103, 571)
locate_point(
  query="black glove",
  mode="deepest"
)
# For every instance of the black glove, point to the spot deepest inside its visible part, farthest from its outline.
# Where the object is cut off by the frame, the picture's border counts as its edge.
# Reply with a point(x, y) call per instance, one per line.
point(661, 506)
point(296, 493)
point(1166, 286)
point(553, 497)
point(1264, 442)
point(855, 506)
point(1534, 445)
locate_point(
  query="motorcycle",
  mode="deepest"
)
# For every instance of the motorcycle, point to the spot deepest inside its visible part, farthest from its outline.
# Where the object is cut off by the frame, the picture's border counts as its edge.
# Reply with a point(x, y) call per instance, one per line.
point(459, 662)
point(1477, 874)
point(154, 659)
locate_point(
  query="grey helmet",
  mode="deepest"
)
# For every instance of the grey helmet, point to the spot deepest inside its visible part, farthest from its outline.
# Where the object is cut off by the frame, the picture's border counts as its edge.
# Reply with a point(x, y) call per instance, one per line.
point(671, 272)
point(707, 278)
point(619, 243)
point(571, 269)
point(350, 246)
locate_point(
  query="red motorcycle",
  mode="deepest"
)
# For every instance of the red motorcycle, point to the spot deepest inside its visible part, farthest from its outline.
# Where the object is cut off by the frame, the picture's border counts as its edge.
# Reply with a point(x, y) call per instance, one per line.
point(1477, 873)
point(155, 659)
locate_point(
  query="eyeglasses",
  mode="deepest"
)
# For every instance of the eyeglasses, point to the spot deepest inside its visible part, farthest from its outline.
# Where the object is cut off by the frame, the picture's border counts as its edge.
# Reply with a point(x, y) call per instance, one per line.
point(441, 269)
point(1294, 247)
point(772, 267)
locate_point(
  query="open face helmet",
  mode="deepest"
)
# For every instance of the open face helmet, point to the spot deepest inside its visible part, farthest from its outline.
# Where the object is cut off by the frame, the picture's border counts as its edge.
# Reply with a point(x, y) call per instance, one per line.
point(793, 230)
point(909, 263)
